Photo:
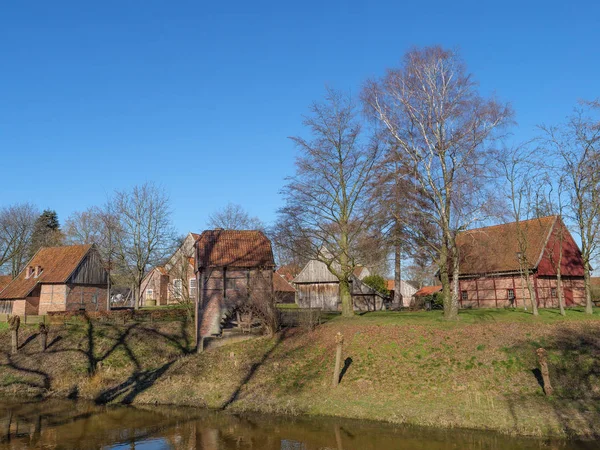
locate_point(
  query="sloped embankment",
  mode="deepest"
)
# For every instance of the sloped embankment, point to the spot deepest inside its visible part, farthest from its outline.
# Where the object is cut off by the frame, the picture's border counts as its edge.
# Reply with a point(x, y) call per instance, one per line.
point(474, 375)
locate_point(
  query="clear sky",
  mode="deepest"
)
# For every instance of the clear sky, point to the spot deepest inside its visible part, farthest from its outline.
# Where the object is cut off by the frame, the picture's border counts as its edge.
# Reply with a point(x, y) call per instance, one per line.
point(200, 97)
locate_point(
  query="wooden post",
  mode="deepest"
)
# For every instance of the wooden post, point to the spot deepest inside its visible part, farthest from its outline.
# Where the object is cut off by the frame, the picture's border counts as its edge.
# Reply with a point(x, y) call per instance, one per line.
point(43, 336)
point(543, 361)
point(339, 339)
point(14, 323)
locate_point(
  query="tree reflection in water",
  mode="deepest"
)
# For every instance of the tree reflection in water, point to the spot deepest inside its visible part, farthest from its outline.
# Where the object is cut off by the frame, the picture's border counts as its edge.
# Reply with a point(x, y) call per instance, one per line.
point(80, 425)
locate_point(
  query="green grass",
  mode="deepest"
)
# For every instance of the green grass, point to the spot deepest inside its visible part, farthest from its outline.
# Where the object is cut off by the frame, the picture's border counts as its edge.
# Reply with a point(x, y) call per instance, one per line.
point(287, 306)
point(3, 325)
point(471, 316)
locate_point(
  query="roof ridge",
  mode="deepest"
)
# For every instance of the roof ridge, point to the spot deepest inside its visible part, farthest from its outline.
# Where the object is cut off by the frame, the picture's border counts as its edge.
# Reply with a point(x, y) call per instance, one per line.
point(554, 216)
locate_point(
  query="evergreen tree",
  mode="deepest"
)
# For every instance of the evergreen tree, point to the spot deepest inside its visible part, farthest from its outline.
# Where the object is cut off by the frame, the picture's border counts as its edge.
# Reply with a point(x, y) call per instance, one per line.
point(46, 232)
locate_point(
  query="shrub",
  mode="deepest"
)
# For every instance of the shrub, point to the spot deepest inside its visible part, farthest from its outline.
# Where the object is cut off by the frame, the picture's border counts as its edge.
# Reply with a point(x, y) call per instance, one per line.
point(378, 283)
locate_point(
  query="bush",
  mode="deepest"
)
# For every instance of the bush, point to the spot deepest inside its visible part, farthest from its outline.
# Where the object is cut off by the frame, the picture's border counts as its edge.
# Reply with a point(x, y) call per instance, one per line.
point(378, 283)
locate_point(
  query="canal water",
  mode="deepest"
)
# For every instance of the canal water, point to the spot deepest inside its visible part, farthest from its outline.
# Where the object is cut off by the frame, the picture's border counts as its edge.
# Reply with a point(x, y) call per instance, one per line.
point(79, 425)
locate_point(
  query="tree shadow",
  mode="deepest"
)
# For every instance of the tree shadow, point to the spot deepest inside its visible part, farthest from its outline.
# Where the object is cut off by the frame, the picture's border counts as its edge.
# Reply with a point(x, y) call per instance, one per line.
point(133, 386)
point(253, 368)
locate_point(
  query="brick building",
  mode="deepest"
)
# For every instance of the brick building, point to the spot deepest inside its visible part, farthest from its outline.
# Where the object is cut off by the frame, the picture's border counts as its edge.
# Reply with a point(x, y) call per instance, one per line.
point(493, 264)
point(58, 279)
point(175, 282)
point(232, 267)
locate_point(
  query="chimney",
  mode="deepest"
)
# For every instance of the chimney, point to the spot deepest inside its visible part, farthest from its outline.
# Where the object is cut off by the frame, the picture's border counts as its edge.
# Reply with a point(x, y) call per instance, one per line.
point(28, 272)
point(37, 271)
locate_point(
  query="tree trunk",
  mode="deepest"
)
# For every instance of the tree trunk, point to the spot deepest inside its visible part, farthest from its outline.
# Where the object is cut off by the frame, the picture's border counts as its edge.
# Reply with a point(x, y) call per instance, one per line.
point(346, 298)
point(398, 275)
point(588, 291)
point(136, 296)
point(108, 292)
point(532, 296)
point(445, 279)
point(451, 297)
point(559, 292)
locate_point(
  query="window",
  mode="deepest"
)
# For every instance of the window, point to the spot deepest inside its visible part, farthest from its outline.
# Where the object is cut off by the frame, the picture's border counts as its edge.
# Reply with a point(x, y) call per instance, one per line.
point(192, 288)
point(177, 288)
point(553, 292)
point(464, 295)
point(511, 294)
point(230, 283)
point(149, 294)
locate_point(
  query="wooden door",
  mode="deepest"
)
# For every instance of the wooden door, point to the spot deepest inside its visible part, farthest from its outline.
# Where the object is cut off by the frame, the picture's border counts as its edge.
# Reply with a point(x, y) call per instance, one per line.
point(569, 297)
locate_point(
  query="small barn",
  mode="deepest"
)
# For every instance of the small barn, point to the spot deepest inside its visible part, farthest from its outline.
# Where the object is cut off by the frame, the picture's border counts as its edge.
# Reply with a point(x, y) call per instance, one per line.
point(66, 278)
point(407, 291)
point(232, 268)
point(317, 287)
point(284, 291)
point(492, 264)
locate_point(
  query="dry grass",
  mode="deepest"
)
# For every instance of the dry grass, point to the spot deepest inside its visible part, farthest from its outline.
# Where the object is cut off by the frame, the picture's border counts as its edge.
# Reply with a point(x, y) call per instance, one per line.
point(402, 368)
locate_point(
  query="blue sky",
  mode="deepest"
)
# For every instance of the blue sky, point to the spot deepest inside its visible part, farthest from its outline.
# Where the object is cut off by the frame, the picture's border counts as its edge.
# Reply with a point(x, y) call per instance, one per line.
point(200, 97)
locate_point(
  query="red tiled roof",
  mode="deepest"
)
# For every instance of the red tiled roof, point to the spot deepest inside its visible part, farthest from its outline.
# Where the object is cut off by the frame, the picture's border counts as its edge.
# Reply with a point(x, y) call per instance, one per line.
point(494, 249)
point(196, 236)
point(4, 280)
point(358, 270)
point(234, 248)
point(281, 285)
point(389, 284)
point(289, 271)
point(58, 263)
point(595, 281)
point(427, 290)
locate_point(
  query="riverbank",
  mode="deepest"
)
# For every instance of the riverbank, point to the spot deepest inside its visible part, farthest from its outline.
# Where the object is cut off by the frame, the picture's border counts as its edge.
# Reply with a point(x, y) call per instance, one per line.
point(409, 368)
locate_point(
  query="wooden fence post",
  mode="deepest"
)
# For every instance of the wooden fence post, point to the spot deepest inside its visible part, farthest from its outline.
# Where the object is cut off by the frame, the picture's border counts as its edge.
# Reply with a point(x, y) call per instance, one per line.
point(14, 323)
point(339, 339)
point(43, 328)
point(543, 361)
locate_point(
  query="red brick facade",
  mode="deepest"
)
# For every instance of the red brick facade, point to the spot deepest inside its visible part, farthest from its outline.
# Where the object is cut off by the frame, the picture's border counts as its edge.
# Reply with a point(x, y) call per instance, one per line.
point(224, 289)
point(495, 248)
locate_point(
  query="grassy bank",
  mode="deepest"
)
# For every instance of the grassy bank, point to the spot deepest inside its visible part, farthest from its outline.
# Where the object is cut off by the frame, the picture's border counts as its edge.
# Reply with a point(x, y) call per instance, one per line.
point(399, 367)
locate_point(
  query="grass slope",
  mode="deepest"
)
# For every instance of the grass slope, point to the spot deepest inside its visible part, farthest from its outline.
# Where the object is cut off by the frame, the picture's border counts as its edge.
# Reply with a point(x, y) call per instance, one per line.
point(399, 367)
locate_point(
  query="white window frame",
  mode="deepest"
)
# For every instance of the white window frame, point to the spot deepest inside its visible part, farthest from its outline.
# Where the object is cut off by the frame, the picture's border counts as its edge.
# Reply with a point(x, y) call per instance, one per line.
point(149, 294)
point(508, 291)
point(177, 290)
point(193, 285)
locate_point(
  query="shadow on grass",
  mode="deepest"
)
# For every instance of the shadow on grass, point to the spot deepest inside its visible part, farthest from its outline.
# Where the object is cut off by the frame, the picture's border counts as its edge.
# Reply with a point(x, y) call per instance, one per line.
point(574, 365)
point(253, 368)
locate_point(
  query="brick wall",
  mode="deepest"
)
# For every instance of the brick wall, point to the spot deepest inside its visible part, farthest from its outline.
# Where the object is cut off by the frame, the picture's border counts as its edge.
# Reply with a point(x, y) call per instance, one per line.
point(223, 290)
point(90, 298)
point(53, 297)
point(492, 292)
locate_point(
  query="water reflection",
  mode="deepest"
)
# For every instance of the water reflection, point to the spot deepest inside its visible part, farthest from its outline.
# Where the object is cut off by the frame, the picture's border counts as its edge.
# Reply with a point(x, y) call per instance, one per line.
point(78, 425)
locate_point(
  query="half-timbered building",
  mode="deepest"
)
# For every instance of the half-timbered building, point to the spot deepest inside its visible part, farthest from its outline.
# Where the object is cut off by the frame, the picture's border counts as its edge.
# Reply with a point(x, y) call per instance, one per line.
point(494, 262)
point(66, 278)
point(232, 267)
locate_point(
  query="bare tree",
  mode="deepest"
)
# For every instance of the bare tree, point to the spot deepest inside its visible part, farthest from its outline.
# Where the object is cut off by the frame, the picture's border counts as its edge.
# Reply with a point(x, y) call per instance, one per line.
point(327, 204)
point(234, 217)
point(145, 234)
point(16, 227)
point(577, 145)
point(521, 175)
point(441, 126)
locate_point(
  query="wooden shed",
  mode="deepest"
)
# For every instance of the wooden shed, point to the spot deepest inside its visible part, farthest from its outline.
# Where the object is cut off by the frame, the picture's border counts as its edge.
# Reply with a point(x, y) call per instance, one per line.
point(317, 287)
